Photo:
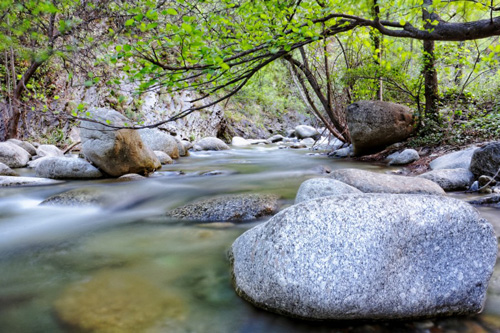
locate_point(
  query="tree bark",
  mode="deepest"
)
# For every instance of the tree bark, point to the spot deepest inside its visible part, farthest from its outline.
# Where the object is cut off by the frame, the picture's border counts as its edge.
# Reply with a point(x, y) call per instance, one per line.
point(378, 54)
point(430, 73)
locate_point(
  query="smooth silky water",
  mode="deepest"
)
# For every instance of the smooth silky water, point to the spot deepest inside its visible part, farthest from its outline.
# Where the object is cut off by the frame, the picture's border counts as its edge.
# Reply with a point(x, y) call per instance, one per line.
point(46, 251)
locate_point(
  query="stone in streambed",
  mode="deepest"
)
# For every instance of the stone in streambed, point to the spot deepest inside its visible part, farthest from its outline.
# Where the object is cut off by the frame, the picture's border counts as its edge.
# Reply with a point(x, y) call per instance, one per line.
point(450, 179)
point(322, 187)
point(66, 168)
point(13, 156)
point(404, 157)
point(456, 160)
point(374, 125)
point(210, 143)
point(26, 181)
point(6, 171)
point(486, 161)
point(159, 140)
point(235, 208)
point(25, 145)
point(372, 182)
point(163, 157)
point(116, 152)
point(367, 256)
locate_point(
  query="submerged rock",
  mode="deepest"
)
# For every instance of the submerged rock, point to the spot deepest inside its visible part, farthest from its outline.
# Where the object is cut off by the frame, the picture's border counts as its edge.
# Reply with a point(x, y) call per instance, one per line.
point(450, 179)
point(374, 125)
point(456, 160)
point(372, 182)
point(26, 181)
point(238, 207)
point(322, 187)
point(116, 301)
point(66, 168)
point(210, 143)
point(13, 156)
point(367, 256)
point(486, 161)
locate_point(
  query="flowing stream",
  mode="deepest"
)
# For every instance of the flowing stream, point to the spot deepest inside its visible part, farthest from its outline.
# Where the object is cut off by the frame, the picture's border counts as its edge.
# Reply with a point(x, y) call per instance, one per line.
point(46, 252)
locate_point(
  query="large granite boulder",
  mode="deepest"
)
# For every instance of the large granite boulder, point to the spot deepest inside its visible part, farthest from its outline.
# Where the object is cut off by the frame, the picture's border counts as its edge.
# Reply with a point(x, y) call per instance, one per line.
point(305, 131)
point(322, 187)
point(159, 140)
point(66, 168)
point(116, 152)
point(486, 161)
point(373, 182)
point(13, 156)
point(25, 145)
point(456, 160)
point(6, 171)
point(450, 179)
point(210, 143)
point(234, 208)
point(367, 256)
point(373, 125)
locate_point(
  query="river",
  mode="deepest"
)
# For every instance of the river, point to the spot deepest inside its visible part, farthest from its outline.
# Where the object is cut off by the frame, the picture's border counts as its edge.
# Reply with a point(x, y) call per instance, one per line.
point(46, 252)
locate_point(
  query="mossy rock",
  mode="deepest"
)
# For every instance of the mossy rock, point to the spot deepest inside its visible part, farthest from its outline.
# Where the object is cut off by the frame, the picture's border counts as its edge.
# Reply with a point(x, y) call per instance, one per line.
point(117, 301)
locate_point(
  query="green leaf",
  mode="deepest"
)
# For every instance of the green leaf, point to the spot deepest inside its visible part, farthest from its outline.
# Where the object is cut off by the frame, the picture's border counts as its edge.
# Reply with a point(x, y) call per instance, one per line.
point(129, 22)
point(171, 11)
point(187, 27)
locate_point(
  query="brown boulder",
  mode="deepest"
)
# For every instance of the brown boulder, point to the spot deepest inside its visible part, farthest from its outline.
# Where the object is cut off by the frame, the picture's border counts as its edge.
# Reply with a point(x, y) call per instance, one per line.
point(374, 125)
point(116, 152)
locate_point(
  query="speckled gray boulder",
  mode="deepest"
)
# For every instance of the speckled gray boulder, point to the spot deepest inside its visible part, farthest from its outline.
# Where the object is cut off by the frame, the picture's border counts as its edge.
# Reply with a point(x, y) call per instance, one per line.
point(25, 145)
point(26, 181)
point(322, 187)
point(373, 182)
point(407, 156)
point(450, 179)
point(486, 161)
point(367, 256)
point(66, 168)
point(13, 156)
point(156, 139)
point(6, 171)
point(49, 150)
point(456, 160)
point(235, 208)
point(210, 143)
point(305, 131)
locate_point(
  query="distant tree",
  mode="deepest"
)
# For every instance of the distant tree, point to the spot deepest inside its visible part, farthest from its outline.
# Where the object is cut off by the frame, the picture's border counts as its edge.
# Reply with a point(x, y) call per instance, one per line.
point(34, 32)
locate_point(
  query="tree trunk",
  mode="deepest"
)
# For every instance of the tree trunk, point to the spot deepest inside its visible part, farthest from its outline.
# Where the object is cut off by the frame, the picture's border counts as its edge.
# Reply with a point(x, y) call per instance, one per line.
point(430, 72)
point(378, 54)
point(12, 124)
